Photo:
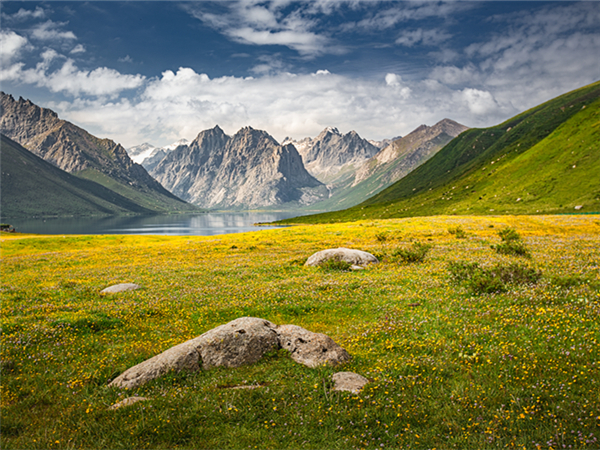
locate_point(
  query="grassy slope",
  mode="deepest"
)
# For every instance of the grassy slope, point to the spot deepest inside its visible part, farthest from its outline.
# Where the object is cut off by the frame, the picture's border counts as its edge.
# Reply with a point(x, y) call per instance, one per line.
point(448, 369)
point(34, 187)
point(154, 200)
point(485, 171)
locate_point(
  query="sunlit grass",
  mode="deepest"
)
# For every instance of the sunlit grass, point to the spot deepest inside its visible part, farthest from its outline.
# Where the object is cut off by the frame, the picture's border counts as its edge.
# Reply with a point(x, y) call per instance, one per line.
point(448, 368)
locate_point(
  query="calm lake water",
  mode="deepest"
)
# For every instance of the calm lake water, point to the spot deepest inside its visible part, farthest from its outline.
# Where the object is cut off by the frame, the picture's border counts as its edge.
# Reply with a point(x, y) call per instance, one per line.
point(176, 225)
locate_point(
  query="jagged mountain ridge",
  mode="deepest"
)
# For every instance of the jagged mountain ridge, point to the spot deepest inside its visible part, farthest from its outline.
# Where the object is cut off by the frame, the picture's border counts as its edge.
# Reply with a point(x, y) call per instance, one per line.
point(249, 169)
point(76, 151)
point(332, 153)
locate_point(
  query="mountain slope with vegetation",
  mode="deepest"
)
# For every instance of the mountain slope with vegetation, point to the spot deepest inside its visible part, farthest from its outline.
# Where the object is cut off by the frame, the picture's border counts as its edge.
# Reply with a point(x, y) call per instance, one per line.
point(76, 151)
point(392, 163)
point(545, 160)
point(31, 186)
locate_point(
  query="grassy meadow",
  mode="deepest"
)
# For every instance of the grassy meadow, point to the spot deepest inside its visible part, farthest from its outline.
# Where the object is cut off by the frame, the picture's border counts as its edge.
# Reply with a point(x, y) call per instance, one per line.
point(456, 358)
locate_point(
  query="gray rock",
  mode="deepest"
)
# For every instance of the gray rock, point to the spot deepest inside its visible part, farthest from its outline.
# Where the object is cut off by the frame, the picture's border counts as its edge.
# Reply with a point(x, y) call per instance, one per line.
point(348, 381)
point(128, 401)
point(351, 256)
point(310, 349)
point(120, 288)
point(239, 342)
point(184, 356)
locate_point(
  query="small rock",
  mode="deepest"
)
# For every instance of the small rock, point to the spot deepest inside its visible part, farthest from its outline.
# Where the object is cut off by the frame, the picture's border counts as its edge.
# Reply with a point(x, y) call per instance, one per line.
point(120, 288)
point(310, 349)
point(351, 256)
point(128, 401)
point(578, 207)
point(355, 267)
point(348, 381)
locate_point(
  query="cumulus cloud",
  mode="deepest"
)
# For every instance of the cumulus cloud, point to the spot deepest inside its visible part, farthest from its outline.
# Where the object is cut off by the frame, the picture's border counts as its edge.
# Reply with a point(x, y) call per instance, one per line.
point(69, 78)
point(11, 46)
point(182, 103)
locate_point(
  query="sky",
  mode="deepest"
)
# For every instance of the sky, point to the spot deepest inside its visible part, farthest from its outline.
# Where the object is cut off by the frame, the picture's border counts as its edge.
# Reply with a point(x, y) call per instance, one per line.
point(158, 71)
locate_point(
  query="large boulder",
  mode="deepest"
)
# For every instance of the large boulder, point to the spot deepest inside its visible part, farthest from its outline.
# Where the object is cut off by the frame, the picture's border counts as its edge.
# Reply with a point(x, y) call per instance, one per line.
point(351, 256)
point(310, 349)
point(239, 342)
point(184, 356)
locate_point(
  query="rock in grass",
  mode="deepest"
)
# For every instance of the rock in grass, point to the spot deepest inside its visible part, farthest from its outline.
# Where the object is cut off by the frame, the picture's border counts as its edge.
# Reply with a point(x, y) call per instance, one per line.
point(239, 342)
point(310, 349)
point(181, 357)
point(120, 288)
point(128, 401)
point(351, 256)
point(348, 381)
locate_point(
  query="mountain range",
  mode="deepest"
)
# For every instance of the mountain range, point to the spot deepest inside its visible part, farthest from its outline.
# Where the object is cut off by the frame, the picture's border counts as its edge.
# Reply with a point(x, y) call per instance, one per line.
point(247, 170)
point(545, 160)
point(76, 151)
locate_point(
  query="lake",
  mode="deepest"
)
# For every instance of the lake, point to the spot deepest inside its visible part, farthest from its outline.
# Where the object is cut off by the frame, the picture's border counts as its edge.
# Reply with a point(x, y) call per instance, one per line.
point(175, 225)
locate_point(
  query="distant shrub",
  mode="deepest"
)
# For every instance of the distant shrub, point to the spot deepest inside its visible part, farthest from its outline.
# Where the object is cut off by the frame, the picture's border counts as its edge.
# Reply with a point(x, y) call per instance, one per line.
point(511, 244)
point(458, 232)
point(381, 237)
point(416, 254)
point(336, 265)
point(567, 281)
point(482, 280)
point(297, 261)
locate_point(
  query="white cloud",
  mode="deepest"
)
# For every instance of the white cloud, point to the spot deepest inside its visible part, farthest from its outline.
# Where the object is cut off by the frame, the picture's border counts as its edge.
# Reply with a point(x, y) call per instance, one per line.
point(11, 46)
point(70, 79)
point(25, 14)
point(478, 102)
point(78, 49)
point(49, 31)
point(255, 24)
point(183, 103)
point(424, 37)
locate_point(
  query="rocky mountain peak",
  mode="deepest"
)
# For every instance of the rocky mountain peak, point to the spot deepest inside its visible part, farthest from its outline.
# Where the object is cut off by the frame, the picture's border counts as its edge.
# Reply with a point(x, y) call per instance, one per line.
point(249, 169)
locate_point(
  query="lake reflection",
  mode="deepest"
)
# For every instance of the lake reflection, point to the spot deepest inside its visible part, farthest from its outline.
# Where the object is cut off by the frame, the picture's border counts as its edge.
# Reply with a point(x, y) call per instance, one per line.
point(176, 225)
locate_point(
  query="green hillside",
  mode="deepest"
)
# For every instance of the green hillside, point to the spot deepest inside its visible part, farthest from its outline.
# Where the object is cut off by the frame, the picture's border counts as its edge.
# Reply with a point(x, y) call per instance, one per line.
point(30, 186)
point(545, 160)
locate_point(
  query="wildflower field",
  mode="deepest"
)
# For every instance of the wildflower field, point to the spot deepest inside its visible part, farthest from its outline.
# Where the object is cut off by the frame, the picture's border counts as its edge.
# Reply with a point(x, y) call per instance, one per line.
point(465, 346)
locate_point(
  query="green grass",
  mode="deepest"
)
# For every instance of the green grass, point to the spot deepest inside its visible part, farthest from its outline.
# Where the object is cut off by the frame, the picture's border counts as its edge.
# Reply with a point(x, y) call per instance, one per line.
point(543, 161)
point(448, 368)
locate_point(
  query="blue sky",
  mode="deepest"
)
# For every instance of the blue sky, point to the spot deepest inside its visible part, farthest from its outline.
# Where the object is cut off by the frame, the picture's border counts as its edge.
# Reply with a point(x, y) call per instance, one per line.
point(159, 71)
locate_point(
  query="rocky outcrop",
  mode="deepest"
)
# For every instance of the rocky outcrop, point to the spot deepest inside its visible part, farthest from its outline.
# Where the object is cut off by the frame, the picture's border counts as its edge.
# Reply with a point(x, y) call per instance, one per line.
point(239, 342)
point(351, 256)
point(332, 152)
point(249, 169)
